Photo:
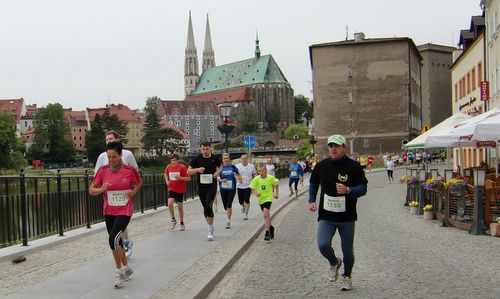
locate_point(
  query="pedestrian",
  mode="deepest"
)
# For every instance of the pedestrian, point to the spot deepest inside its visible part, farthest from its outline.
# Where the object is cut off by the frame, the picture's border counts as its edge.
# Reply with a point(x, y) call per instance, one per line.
point(247, 172)
point(270, 166)
point(370, 162)
point(118, 183)
point(128, 159)
point(390, 169)
point(342, 182)
point(207, 167)
point(176, 177)
point(296, 175)
point(227, 183)
point(263, 186)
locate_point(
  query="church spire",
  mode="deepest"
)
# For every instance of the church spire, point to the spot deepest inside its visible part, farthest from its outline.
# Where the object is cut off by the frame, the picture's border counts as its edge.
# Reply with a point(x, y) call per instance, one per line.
point(257, 50)
point(208, 51)
point(191, 76)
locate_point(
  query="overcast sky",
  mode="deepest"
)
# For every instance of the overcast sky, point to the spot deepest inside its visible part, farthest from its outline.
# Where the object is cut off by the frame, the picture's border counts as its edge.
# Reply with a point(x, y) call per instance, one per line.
point(86, 53)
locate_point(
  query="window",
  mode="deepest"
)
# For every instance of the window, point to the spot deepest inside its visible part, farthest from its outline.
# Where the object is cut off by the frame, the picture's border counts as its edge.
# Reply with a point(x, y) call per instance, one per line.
point(25, 123)
point(456, 92)
point(74, 137)
point(473, 78)
point(187, 123)
point(187, 133)
point(80, 145)
point(197, 117)
point(350, 121)
point(80, 137)
point(79, 130)
point(187, 129)
point(468, 83)
point(479, 73)
point(211, 117)
point(198, 123)
point(349, 72)
point(211, 123)
point(349, 95)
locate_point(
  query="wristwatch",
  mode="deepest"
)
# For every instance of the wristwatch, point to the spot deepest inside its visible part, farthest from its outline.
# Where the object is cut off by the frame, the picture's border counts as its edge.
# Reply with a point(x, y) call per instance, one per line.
point(348, 190)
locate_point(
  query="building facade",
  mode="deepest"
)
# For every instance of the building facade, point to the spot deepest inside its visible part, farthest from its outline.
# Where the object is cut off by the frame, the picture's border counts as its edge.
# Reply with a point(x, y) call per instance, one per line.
point(436, 83)
point(491, 9)
point(368, 90)
point(467, 72)
point(17, 109)
point(78, 125)
point(197, 119)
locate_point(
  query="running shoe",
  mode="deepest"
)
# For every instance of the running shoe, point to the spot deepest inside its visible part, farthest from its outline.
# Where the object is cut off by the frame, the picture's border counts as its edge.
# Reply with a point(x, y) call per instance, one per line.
point(228, 224)
point(266, 236)
point(245, 217)
point(119, 278)
point(210, 236)
point(127, 246)
point(127, 272)
point(271, 232)
point(173, 222)
point(291, 193)
point(243, 209)
point(346, 283)
point(334, 270)
point(182, 227)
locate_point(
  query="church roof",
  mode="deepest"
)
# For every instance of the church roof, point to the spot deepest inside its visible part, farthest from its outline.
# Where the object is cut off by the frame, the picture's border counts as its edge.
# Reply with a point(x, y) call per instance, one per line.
point(241, 73)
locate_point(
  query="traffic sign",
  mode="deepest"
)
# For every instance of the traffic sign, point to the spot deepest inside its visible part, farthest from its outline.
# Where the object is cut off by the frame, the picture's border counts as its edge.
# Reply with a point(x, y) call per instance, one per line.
point(249, 141)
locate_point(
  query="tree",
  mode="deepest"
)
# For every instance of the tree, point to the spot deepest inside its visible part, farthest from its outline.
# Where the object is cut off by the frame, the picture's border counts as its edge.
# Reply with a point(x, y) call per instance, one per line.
point(51, 142)
point(10, 146)
point(248, 120)
point(95, 141)
point(110, 121)
point(304, 150)
point(303, 109)
point(300, 131)
point(273, 117)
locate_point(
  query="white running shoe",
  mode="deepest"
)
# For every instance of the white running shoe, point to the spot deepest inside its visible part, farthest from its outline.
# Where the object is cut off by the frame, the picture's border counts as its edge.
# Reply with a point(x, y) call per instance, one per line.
point(345, 283)
point(119, 278)
point(127, 272)
point(210, 236)
point(245, 217)
point(173, 222)
point(228, 224)
point(182, 227)
point(333, 274)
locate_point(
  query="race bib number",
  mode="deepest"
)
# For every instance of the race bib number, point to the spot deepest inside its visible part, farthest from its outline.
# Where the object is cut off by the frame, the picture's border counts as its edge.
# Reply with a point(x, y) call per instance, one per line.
point(118, 198)
point(245, 180)
point(173, 175)
point(293, 173)
point(206, 179)
point(227, 185)
point(334, 204)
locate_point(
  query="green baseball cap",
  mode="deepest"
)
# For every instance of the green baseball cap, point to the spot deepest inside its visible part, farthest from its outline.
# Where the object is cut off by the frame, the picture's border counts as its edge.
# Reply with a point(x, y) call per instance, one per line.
point(337, 139)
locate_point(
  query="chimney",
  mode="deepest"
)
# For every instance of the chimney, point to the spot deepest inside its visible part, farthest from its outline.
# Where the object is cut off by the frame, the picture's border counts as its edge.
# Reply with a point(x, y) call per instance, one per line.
point(359, 36)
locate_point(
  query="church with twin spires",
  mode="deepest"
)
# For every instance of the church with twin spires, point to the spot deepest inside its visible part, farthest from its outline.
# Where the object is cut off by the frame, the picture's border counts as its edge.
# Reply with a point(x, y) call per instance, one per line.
point(257, 82)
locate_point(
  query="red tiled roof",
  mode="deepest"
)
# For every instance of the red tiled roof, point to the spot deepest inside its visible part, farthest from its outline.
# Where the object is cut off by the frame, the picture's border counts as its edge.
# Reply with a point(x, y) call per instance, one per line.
point(231, 95)
point(187, 108)
point(13, 107)
point(122, 111)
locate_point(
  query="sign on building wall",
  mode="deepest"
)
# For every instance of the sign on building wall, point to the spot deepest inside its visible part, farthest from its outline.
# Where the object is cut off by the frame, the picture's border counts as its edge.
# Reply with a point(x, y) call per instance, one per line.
point(485, 90)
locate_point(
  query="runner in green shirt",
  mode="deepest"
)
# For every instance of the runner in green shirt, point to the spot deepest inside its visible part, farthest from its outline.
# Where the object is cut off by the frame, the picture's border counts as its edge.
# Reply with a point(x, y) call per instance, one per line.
point(262, 187)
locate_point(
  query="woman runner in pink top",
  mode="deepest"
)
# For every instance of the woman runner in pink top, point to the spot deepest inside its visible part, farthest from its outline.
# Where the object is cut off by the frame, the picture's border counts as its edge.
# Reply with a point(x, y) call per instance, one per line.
point(118, 183)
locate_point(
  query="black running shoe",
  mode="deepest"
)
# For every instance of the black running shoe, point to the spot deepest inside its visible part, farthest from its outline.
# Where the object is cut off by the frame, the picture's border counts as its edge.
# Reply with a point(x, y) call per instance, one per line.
point(271, 232)
point(266, 236)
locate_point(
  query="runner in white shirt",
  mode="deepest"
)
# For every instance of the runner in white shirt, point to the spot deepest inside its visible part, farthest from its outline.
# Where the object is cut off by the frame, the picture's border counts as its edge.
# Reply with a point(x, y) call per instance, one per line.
point(127, 158)
point(247, 172)
point(271, 169)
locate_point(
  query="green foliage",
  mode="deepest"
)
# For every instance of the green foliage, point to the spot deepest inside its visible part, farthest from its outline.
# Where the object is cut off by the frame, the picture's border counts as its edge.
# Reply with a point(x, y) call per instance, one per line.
point(303, 109)
point(50, 137)
point(304, 150)
point(273, 117)
point(95, 142)
point(10, 147)
point(296, 130)
point(152, 120)
point(248, 121)
point(110, 121)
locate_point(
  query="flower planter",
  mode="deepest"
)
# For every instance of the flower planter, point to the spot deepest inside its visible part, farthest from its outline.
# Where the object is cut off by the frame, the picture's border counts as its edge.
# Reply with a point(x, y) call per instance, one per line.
point(428, 215)
point(413, 210)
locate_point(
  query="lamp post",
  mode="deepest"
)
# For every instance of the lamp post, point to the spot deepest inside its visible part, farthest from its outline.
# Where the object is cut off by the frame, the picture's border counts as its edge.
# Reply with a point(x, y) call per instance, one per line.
point(225, 111)
point(421, 200)
point(478, 225)
point(312, 140)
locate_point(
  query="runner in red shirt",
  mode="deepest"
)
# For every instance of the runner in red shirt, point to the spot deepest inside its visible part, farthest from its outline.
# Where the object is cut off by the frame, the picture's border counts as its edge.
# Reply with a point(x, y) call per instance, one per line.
point(118, 183)
point(370, 162)
point(175, 177)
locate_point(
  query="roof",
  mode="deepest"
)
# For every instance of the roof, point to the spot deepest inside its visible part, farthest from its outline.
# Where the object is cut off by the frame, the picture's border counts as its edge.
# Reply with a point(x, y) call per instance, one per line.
point(166, 124)
point(241, 73)
point(14, 107)
point(187, 108)
point(435, 48)
point(476, 21)
point(123, 112)
point(218, 97)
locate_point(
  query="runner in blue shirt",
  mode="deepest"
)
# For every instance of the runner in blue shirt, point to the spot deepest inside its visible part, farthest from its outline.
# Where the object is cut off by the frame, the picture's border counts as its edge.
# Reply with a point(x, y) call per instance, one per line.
point(296, 175)
point(227, 182)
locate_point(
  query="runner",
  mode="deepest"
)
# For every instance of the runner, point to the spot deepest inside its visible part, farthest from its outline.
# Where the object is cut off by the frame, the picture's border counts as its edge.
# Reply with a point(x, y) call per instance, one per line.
point(342, 181)
point(390, 169)
point(270, 166)
point(118, 183)
point(262, 187)
point(207, 167)
point(227, 182)
point(176, 177)
point(247, 172)
point(296, 175)
point(370, 162)
point(128, 159)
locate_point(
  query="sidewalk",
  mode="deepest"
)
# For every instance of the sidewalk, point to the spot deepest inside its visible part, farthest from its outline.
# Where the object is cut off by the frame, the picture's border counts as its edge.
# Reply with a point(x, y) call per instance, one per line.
point(166, 263)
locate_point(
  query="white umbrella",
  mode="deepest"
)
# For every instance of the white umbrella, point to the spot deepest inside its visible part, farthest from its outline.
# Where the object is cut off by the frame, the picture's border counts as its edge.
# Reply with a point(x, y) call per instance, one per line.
point(484, 127)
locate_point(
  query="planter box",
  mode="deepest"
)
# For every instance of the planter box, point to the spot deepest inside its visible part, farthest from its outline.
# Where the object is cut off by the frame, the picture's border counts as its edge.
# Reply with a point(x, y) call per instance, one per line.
point(428, 215)
point(413, 210)
point(495, 229)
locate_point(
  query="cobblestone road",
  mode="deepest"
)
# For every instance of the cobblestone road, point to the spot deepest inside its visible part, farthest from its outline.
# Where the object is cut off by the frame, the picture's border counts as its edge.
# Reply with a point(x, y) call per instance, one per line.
point(397, 255)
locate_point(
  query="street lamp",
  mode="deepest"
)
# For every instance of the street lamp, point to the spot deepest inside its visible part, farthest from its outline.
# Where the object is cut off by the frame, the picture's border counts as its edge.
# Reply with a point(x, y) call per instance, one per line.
point(479, 223)
point(225, 111)
point(312, 140)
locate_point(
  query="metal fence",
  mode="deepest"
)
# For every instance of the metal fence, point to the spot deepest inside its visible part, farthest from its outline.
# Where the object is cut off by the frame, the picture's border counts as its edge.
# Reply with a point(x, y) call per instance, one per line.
point(37, 206)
